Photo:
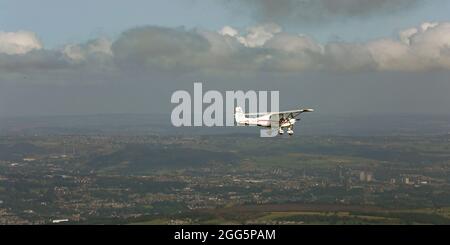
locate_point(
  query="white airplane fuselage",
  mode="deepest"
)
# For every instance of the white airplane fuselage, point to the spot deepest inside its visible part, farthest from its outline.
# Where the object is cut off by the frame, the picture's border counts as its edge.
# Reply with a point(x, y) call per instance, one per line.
point(265, 121)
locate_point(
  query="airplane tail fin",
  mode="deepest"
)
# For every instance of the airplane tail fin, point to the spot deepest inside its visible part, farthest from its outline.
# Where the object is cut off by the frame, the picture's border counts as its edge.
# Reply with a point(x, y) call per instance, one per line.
point(239, 114)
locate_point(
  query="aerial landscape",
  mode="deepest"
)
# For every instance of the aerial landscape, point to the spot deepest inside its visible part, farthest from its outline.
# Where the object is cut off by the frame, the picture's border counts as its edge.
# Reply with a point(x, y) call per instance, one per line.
point(81, 175)
point(183, 117)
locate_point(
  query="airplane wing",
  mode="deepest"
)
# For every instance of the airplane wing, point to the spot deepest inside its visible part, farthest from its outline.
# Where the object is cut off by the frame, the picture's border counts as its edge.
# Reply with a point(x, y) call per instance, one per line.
point(291, 114)
point(295, 113)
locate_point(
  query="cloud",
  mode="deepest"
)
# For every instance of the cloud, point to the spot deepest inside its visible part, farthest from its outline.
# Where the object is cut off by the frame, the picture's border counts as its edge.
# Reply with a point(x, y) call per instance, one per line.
point(228, 31)
point(36, 60)
point(417, 49)
point(95, 53)
point(20, 42)
point(318, 11)
point(158, 47)
point(260, 48)
point(424, 48)
point(81, 52)
point(405, 35)
point(257, 36)
point(84, 63)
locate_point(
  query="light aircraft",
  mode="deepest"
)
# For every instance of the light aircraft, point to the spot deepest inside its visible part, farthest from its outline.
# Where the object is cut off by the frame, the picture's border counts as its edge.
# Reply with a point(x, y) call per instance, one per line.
point(287, 119)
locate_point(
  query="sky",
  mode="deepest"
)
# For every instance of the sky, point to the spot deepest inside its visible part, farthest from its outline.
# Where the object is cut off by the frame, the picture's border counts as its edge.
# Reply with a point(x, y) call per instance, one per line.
point(110, 56)
point(60, 22)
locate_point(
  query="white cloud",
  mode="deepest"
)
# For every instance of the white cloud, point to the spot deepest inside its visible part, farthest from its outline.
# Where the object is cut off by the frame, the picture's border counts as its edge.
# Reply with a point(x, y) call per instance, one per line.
point(405, 35)
point(81, 52)
point(228, 31)
point(427, 25)
point(391, 55)
point(428, 46)
point(74, 52)
point(264, 47)
point(293, 43)
point(20, 42)
point(256, 36)
point(100, 46)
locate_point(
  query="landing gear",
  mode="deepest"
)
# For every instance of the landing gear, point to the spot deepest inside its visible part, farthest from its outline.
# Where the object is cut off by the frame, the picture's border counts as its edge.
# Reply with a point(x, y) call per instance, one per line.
point(289, 131)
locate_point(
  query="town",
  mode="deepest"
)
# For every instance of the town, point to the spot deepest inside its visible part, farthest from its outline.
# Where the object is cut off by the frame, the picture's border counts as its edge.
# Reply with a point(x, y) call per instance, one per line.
point(154, 179)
